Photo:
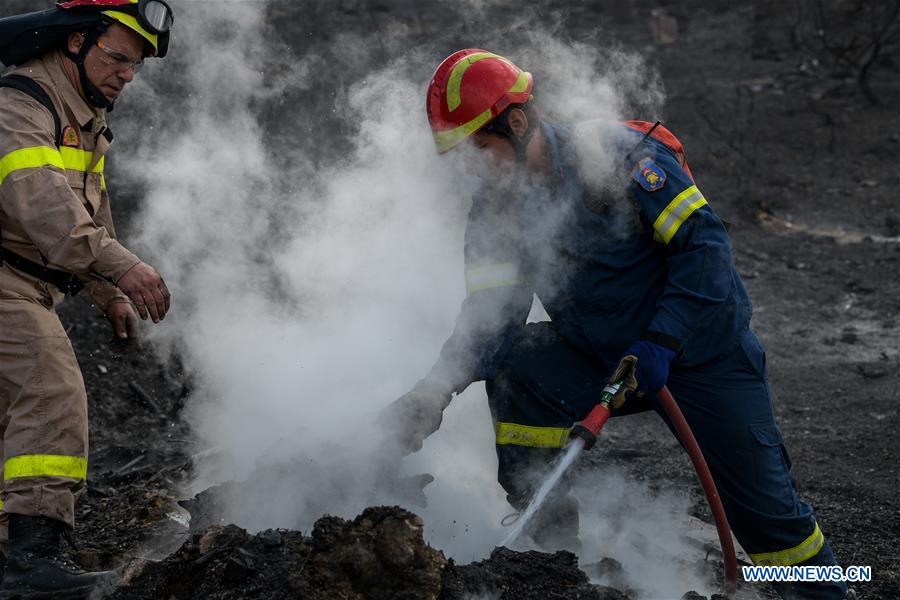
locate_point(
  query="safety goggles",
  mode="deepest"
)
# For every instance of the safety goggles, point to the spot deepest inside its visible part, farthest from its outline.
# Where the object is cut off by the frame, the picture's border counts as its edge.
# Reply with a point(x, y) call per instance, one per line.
point(120, 59)
point(154, 15)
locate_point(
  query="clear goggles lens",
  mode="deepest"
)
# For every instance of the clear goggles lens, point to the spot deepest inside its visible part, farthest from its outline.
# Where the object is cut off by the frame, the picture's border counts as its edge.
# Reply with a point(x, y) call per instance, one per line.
point(158, 16)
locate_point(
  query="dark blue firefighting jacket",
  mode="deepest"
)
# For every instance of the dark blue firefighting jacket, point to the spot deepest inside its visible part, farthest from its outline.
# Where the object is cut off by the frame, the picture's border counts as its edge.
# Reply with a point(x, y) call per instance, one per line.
point(619, 244)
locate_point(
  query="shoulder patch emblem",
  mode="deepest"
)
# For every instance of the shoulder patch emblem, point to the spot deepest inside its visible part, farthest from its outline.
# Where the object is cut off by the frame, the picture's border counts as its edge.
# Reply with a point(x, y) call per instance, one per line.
point(69, 137)
point(649, 175)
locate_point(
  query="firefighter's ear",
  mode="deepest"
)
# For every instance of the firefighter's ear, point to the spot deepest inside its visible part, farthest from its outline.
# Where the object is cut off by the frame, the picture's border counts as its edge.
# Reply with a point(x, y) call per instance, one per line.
point(518, 122)
point(75, 42)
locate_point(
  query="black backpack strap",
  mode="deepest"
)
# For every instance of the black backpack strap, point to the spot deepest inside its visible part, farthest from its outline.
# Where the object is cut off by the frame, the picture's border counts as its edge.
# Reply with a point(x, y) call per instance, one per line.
point(67, 283)
point(29, 86)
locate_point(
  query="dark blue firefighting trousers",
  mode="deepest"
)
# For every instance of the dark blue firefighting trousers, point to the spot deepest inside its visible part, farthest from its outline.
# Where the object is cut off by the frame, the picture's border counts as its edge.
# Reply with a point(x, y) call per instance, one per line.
point(545, 385)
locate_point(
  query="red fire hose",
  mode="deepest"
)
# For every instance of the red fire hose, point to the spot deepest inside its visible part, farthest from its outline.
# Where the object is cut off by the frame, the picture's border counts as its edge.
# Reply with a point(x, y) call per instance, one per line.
point(709, 487)
point(590, 427)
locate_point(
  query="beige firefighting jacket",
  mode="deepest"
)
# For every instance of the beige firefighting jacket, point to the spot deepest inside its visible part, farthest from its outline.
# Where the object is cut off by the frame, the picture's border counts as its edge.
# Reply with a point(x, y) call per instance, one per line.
point(53, 200)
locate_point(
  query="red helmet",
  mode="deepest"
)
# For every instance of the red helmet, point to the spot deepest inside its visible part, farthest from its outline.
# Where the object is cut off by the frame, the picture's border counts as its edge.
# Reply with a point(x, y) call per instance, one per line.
point(469, 90)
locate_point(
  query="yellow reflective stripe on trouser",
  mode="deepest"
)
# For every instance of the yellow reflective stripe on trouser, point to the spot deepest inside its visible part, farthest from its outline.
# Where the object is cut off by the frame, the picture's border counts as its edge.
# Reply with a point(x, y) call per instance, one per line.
point(73, 159)
point(533, 437)
point(792, 556)
point(676, 213)
point(45, 465)
point(491, 276)
point(29, 158)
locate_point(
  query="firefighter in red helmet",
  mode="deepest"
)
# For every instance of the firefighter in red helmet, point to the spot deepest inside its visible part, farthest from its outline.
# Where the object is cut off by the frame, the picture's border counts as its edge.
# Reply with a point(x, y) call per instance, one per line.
point(629, 259)
point(56, 238)
point(493, 83)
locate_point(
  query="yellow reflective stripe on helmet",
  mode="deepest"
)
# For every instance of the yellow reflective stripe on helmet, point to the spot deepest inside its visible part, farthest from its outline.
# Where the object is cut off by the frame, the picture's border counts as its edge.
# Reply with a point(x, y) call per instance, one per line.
point(445, 140)
point(492, 276)
point(676, 213)
point(792, 556)
point(29, 158)
point(454, 83)
point(533, 437)
point(521, 83)
point(132, 23)
point(45, 465)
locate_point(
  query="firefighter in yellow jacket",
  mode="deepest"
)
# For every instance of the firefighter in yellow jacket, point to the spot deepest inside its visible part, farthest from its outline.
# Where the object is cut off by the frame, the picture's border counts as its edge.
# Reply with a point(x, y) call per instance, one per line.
point(57, 238)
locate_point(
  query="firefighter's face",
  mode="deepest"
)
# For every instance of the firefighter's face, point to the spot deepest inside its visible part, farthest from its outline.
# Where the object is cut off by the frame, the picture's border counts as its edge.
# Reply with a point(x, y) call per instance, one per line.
point(112, 62)
point(498, 148)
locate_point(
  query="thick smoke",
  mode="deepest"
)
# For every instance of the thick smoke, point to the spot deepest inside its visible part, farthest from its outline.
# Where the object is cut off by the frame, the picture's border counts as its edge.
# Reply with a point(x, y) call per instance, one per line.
point(316, 270)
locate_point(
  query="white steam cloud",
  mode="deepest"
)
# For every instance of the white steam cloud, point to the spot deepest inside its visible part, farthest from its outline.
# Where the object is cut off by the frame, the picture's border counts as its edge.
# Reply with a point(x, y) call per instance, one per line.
point(311, 290)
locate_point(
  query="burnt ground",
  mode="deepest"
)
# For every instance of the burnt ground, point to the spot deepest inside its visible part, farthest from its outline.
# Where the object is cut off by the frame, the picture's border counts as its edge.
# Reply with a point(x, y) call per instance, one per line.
point(785, 143)
point(380, 554)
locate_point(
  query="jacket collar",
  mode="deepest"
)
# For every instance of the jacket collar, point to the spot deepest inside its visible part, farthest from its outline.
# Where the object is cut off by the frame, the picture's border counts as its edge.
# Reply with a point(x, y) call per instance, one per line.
point(83, 112)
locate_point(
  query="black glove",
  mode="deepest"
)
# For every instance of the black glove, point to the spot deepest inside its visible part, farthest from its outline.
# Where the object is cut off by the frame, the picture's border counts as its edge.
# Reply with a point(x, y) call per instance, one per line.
point(416, 414)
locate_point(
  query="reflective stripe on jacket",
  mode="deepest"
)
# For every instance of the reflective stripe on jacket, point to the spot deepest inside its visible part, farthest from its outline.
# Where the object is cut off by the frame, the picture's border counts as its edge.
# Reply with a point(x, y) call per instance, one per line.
point(612, 257)
point(54, 207)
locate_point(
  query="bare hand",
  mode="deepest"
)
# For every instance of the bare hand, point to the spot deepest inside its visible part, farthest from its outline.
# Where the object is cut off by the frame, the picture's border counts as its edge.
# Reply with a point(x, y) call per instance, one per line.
point(124, 320)
point(147, 290)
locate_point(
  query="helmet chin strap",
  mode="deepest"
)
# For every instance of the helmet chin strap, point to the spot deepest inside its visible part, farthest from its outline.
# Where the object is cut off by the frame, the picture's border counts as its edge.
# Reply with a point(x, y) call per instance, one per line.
point(93, 94)
point(521, 144)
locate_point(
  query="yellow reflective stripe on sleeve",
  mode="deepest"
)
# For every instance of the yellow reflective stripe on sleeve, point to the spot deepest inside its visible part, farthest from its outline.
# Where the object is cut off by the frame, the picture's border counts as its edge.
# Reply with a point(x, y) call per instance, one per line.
point(29, 158)
point(676, 213)
point(76, 159)
point(492, 276)
point(454, 83)
point(447, 139)
point(45, 465)
point(73, 159)
point(792, 556)
point(533, 437)
point(2, 504)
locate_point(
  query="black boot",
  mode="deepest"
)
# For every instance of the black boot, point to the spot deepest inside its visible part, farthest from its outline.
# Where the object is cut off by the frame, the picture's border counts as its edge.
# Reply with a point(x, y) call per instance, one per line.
point(35, 568)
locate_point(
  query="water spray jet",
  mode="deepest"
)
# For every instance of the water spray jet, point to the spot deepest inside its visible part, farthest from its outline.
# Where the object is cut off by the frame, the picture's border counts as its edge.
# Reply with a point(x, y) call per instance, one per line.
point(583, 437)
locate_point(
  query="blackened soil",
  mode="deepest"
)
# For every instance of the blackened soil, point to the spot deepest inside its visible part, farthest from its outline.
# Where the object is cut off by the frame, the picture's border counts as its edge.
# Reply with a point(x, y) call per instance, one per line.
point(507, 574)
point(379, 555)
point(140, 448)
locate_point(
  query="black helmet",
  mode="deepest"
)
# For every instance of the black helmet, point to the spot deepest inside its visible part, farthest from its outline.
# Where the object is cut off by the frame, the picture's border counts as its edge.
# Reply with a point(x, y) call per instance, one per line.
point(33, 34)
